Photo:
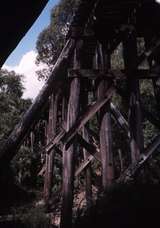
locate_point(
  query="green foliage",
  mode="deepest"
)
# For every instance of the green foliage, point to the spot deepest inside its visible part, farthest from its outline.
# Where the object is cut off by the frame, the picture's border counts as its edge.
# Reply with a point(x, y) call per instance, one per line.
point(25, 165)
point(51, 39)
point(148, 100)
point(12, 105)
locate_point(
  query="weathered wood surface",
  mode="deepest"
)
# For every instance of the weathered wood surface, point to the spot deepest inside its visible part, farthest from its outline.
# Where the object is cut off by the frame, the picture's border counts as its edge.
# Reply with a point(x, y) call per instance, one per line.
point(88, 173)
point(146, 113)
point(87, 161)
point(90, 148)
point(112, 74)
point(87, 115)
point(134, 114)
point(130, 172)
point(68, 157)
point(105, 134)
point(119, 118)
point(121, 160)
point(55, 140)
point(8, 150)
point(51, 132)
point(69, 153)
point(67, 137)
point(84, 165)
point(32, 138)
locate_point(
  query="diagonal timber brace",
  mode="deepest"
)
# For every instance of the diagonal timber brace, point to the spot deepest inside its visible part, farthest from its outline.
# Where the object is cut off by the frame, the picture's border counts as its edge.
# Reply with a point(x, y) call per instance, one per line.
point(67, 137)
point(119, 118)
point(131, 171)
point(88, 114)
point(12, 144)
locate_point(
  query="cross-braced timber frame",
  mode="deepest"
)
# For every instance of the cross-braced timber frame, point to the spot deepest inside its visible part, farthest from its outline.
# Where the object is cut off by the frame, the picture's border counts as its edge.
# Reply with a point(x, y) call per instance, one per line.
point(81, 88)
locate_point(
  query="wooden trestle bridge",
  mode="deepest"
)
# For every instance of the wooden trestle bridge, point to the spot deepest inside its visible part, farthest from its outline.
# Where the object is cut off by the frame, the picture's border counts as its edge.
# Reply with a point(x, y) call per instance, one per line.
point(81, 88)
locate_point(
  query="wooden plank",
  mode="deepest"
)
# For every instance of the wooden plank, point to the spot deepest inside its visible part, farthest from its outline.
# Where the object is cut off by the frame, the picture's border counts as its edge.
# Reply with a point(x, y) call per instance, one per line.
point(86, 162)
point(91, 149)
point(68, 158)
point(52, 122)
point(55, 140)
point(68, 154)
point(56, 79)
point(134, 114)
point(42, 171)
point(111, 74)
point(105, 134)
point(66, 137)
point(120, 160)
point(146, 113)
point(85, 73)
point(97, 73)
point(119, 118)
point(87, 115)
point(32, 138)
point(84, 165)
point(92, 133)
point(131, 171)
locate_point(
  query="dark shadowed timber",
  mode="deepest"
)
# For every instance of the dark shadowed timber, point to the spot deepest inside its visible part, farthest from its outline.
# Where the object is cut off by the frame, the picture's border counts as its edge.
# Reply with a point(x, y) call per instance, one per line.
point(8, 150)
point(54, 82)
point(105, 124)
point(91, 110)
point(122, 122)
point(87, 82)
point(130, 172)
point(68, 157)
point(134, 118)
point(51, 132)
point(69, 154)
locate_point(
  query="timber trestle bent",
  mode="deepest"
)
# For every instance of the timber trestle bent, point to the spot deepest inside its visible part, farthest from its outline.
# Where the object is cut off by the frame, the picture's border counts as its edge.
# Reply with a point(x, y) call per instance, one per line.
point(82, 91)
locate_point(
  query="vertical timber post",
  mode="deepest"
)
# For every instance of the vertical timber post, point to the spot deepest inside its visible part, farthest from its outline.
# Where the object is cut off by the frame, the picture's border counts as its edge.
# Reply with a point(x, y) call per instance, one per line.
point(51, 131)
point(88, 175)
point(134, 114)
point(32, 140)
point(156, 85)
point(105, 127)
point(69, 154)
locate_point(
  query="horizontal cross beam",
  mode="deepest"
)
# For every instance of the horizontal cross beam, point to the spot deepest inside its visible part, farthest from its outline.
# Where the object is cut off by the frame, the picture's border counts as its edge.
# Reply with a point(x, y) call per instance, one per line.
point(112, 74)
point(67, 137)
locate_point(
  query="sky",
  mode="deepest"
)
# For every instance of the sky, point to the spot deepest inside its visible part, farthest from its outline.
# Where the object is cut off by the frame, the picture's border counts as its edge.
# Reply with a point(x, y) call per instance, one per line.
point(22, 59)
